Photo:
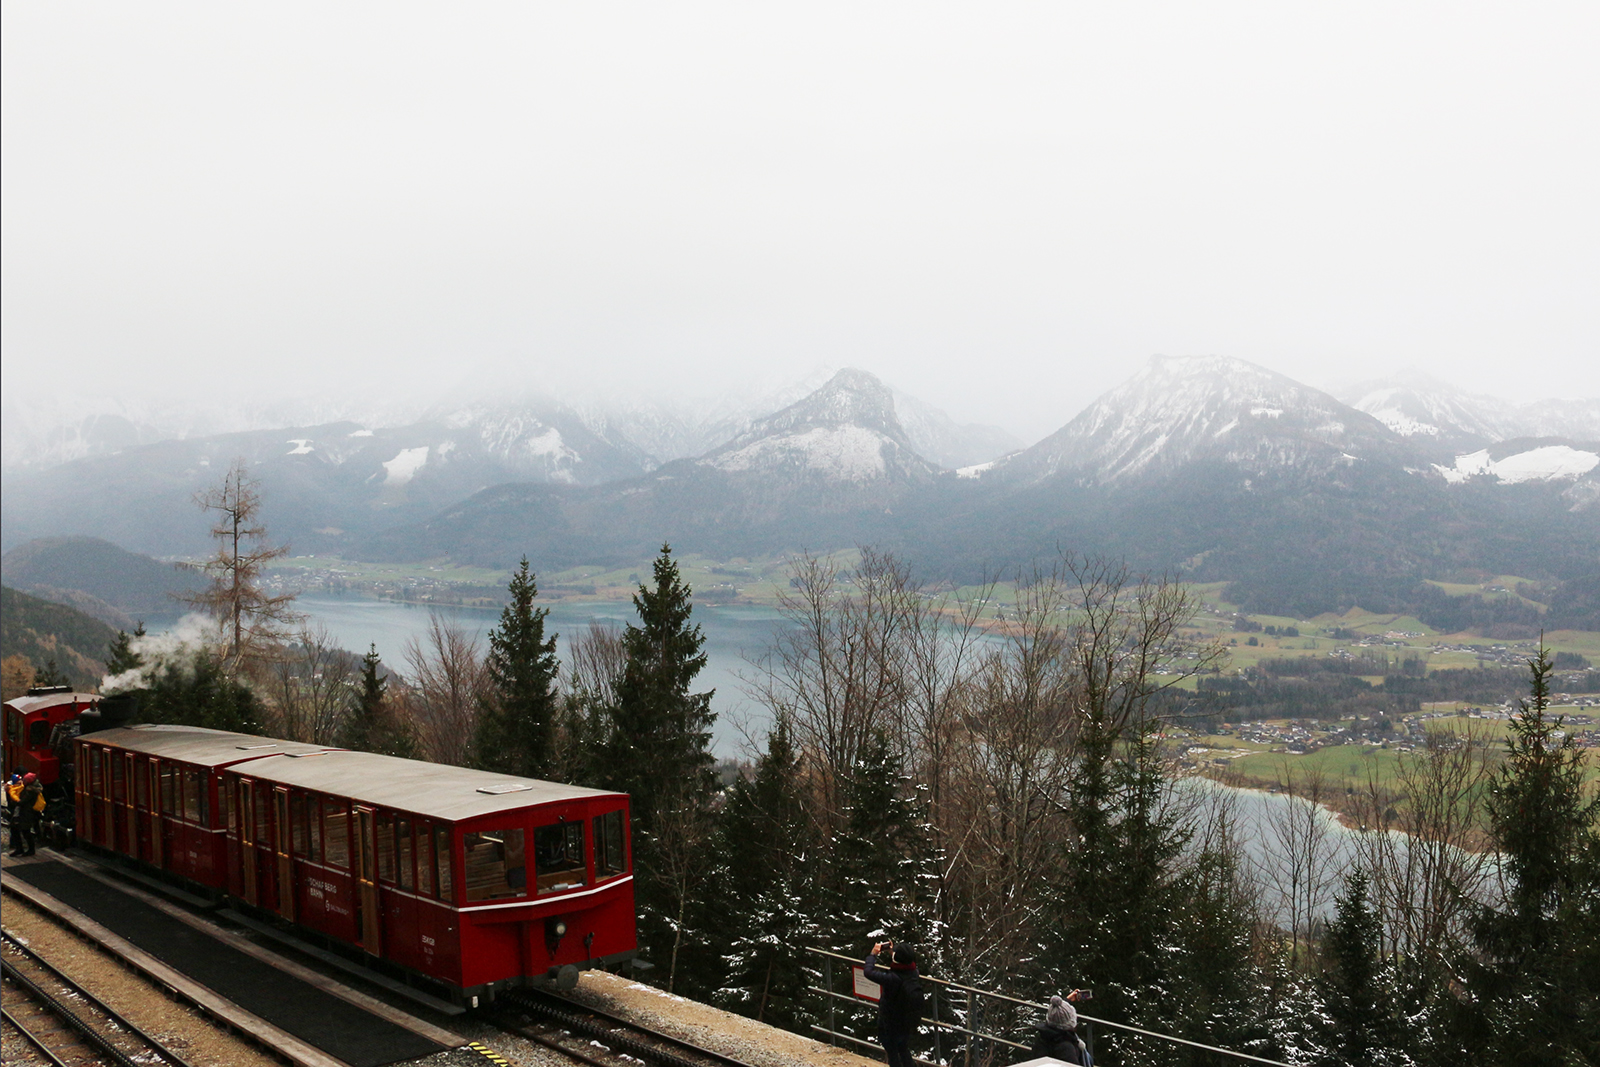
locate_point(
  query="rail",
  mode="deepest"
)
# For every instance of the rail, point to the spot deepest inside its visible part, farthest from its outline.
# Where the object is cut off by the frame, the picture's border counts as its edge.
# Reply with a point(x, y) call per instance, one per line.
point(85, 1030)
point(622, 1035)
point(972, 992)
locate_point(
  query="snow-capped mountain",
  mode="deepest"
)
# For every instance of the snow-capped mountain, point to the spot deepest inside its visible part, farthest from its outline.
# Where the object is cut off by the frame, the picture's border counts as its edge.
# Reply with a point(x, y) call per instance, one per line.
point(321, 482)
point(1422, 407)
point(1180, 411)
point(1425, 409)
point(940, 439)
point(846, 431)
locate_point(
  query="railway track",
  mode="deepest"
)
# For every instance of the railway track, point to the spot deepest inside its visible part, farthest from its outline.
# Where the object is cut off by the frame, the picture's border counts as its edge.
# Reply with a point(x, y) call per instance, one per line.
point(67, 1024)
point(598, 1038)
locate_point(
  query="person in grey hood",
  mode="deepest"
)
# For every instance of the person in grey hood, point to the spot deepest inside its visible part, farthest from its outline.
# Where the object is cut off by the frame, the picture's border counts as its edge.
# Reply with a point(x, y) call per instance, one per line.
point(1057, 1036)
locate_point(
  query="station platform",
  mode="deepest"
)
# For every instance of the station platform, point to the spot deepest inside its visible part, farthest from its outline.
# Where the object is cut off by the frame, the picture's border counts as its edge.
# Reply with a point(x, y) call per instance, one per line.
point(343, 1031)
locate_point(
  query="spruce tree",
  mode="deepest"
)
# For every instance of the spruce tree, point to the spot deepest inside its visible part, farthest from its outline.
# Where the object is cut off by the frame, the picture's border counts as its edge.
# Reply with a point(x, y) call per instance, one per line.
point(516, 721)
point(197, 691)
point(1357, 987)
point(120, 656)
point(764, 891)
point(1536, 982)
point(659, 745)
point(1118, 893)
point(658, 752)
point(370, 724)
point(52, 674)
point(882, 862)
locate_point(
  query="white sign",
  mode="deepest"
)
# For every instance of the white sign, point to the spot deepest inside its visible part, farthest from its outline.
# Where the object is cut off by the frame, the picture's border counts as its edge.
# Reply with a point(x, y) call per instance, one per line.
point(865, 989)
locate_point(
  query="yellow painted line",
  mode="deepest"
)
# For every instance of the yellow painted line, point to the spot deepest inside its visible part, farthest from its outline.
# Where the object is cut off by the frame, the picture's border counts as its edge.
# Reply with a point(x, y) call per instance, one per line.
point(488, 1053)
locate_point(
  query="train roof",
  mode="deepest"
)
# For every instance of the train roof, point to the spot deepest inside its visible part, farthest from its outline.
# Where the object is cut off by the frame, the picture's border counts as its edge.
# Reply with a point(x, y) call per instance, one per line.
point(435, 790)
point(35, 701)
point(195, 744)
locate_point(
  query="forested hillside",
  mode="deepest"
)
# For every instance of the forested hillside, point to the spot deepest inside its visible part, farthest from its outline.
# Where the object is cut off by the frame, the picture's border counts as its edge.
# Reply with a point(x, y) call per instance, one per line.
point(46, 633)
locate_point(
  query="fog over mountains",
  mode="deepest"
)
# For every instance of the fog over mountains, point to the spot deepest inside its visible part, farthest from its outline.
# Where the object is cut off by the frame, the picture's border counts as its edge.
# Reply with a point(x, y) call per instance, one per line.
point(1212, 466)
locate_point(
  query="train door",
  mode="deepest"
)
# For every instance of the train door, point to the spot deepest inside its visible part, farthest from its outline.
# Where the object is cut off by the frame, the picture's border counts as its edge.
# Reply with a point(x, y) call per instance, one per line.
point(141, 808)
point(105, 790)
point(367, 879)
point(285, 842)
point(153, 776)
point(247, 840)
point(130, 811)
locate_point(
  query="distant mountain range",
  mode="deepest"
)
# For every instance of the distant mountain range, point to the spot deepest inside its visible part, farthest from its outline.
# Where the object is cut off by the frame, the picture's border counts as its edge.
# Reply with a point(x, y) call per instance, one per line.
point(1213, 467)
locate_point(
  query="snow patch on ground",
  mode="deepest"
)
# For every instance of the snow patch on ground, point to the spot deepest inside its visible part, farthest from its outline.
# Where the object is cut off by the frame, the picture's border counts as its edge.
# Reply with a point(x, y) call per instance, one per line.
point(1539, 464)
point(975, 470)
point(1270, 413)
point(1232, 425)
point(402, 468)
point(302, 446)
point(360, 433)
point(848, 453)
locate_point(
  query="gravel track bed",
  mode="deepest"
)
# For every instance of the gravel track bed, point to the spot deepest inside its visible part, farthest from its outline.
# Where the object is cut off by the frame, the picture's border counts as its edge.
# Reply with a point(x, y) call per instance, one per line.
point(188, 1032)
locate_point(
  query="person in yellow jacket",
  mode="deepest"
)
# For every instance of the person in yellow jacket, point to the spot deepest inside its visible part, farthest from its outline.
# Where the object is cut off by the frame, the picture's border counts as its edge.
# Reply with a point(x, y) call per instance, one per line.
point(30, 805)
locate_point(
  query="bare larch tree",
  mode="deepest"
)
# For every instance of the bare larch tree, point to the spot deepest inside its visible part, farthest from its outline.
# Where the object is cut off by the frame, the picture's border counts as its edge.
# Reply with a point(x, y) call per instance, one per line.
point(250, 619)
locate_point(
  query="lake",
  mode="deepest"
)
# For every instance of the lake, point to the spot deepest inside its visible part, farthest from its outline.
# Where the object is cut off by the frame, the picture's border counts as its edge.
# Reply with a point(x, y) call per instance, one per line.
point(732, 632)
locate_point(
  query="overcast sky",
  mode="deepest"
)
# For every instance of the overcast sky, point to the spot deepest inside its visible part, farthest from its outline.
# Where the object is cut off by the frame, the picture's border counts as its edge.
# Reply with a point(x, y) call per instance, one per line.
point(1003, 209)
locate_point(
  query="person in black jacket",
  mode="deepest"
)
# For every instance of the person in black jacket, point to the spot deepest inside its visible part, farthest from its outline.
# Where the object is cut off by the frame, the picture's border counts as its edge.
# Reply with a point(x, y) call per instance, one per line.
point(899, 999)
point(1057, 1036)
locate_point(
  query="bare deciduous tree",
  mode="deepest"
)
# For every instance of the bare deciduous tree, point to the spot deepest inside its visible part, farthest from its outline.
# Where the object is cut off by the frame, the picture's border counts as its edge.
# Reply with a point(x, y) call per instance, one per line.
point(596, 659)
point(310, 687)
point(447, 679)
point(839, 670)
point(1300, 857)
point(1425, 847)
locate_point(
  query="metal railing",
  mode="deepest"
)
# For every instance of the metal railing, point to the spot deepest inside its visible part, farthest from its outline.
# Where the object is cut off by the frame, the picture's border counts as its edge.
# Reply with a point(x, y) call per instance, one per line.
point(971, 999)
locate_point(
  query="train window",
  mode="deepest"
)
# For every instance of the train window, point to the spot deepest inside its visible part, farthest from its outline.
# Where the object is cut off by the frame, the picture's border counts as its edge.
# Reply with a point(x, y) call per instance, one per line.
point(610, 855)
point(424, 859)
point(13, 724)
point(497, 865)
point(232, 807)
point(336, 831)
point(141, 786)
point(386, 848)
point(262, 806)
point(441, 854)
point(558, 856)
point(168, 805)
point(97, 783)
point(39, 733)
point(298, 821)
point(191, 794)
point(403, 835)
point(118, 786)
point(202, 783)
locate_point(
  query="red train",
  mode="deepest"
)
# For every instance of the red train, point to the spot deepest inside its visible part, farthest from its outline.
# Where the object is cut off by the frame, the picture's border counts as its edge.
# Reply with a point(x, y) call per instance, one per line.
point(467, 880)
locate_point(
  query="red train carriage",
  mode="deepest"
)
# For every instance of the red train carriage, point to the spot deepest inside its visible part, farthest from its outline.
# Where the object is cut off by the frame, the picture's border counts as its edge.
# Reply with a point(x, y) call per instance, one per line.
point(477, 881)
point(29, 722)
point(150, 793)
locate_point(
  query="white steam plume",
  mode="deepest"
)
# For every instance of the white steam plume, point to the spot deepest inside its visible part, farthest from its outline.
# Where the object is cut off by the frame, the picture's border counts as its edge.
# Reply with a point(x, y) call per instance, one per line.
point(191, 633)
